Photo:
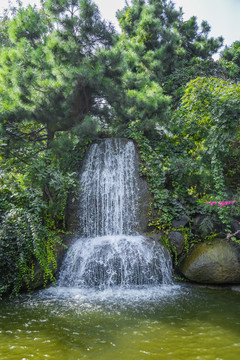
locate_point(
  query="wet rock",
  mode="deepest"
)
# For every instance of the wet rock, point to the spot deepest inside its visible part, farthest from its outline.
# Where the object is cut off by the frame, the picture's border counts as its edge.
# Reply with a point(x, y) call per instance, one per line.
point(71, 212)
point(177, 241)
point(181, 222)
point(217, 262)
point(144, 199)
point(153, 236)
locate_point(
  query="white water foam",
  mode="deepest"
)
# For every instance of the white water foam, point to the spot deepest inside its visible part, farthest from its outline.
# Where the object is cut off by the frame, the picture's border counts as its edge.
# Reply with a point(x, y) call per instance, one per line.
point(121, 260)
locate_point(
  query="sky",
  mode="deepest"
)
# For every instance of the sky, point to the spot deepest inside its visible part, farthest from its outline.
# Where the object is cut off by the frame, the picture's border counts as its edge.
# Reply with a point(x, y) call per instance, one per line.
point(222, 15)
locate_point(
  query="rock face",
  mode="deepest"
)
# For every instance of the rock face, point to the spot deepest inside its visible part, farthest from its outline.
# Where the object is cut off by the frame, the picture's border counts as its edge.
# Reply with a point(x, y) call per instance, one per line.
point(217, 262)
point(181, 222)
point(145, 198)
point(177, 241)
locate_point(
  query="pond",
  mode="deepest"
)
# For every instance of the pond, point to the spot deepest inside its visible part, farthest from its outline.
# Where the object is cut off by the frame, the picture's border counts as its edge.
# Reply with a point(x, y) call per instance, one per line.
point(172, 322)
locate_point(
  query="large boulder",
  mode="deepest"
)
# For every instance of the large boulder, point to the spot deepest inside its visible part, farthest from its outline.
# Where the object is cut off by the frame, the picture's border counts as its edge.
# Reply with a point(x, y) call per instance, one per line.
point(216, 262)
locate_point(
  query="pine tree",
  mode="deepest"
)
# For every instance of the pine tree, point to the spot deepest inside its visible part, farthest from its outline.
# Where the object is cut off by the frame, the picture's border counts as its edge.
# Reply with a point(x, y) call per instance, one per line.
point(51, 73)
point(161, 53)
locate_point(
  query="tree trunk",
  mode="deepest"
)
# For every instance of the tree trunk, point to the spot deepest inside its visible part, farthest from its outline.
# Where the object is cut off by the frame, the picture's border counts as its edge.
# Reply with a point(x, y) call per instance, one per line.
point(50, 137)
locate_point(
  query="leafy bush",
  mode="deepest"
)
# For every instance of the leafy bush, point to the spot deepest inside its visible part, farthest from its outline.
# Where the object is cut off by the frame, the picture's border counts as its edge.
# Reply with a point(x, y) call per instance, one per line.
point(23, 241)
point(32, 213)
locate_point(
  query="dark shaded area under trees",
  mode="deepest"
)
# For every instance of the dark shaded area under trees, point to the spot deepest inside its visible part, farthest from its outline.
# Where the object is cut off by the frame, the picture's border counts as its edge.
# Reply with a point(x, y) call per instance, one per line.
point(67, 78)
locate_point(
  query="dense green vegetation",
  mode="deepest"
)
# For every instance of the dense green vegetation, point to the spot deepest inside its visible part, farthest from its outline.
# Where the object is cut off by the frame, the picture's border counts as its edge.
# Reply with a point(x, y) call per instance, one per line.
point(67, 78)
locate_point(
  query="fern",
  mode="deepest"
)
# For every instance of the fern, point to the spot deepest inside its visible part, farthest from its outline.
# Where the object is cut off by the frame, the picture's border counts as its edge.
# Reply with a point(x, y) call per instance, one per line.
point(24, 241)
point(206, 225)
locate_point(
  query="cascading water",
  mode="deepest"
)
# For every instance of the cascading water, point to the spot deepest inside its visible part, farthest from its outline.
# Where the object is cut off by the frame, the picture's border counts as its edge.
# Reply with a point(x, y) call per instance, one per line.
point(108, 251)
point(109, 189)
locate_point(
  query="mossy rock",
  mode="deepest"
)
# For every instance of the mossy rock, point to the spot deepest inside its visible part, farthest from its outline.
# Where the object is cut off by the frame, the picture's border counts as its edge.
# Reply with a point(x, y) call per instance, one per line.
point(39, 279)
point(177, 241)
point(216, 262)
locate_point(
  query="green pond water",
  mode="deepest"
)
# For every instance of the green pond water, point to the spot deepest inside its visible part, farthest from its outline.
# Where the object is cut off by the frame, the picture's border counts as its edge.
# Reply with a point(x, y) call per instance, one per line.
point(168, 322)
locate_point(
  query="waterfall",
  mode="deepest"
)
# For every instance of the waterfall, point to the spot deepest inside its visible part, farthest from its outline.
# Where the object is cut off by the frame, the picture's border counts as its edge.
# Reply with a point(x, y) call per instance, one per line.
point(108, 250)
point(109, 189)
